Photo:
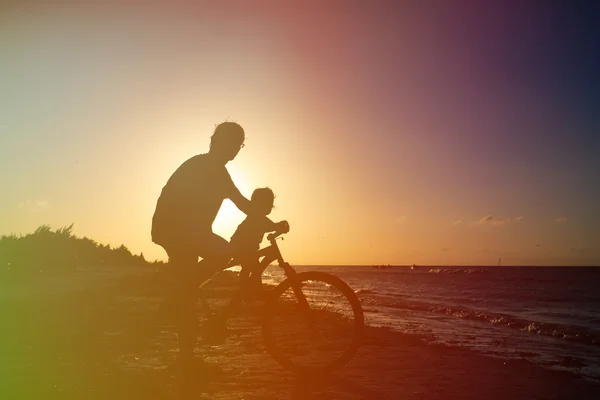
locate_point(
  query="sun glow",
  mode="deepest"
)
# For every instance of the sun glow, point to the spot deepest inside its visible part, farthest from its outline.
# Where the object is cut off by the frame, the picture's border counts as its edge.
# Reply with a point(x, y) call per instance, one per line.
point(229, 217)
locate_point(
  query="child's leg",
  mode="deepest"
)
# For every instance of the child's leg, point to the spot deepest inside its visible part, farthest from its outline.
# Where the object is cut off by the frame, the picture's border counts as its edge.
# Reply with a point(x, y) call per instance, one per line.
point(249, 279)
point(244, 273)
point(255, 281)
point(262, 264)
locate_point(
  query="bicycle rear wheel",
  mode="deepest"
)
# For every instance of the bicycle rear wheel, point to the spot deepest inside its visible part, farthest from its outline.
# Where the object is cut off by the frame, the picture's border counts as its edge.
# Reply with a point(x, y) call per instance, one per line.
point(316, 336)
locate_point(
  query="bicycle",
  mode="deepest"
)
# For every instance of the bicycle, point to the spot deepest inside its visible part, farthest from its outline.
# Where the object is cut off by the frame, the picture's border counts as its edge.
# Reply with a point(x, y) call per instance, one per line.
point(312, 321)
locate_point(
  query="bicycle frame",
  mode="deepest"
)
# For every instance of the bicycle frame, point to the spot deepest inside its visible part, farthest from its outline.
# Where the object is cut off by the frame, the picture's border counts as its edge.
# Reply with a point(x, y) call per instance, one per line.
point(276, 254)
point(290, 273)
point(272, 253)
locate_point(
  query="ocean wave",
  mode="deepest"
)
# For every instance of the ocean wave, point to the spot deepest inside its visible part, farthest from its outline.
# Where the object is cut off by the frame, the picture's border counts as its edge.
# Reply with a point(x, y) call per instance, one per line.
point(568, 332)
point(383, 295)
point(365, 291)
point(574, 333)
point(456, 271)
point(527, 279)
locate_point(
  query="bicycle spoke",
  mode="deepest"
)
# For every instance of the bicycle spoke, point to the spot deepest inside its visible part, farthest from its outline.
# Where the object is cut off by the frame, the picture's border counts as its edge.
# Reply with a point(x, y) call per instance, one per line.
point(323, 334)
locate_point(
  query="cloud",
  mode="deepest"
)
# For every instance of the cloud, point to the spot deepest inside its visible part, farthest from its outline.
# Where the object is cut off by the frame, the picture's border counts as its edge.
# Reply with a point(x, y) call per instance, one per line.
point(457, 222)
point(445, 249)
point(34, 205)
point(491, 220)
point(561, 220)
point(401, 218)
point(485, 219)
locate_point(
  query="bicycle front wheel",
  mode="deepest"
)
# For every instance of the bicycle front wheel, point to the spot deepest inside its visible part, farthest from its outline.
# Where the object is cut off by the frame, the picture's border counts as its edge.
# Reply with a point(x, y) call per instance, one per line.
point(313, 323)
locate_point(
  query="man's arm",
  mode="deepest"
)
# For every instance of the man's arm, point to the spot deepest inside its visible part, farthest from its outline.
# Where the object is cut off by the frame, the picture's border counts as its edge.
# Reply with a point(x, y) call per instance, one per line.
point(242, 203)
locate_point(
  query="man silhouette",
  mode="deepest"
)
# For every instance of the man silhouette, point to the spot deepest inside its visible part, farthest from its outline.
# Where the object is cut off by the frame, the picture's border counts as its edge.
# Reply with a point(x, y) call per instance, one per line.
point(182, 225)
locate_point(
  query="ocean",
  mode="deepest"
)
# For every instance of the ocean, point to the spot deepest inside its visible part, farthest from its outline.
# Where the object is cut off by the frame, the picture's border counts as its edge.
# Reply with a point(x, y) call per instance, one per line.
point(546, 315)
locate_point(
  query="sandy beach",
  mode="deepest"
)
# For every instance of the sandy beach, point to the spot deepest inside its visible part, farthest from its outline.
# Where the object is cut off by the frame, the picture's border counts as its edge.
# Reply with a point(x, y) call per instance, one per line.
point(105, 340)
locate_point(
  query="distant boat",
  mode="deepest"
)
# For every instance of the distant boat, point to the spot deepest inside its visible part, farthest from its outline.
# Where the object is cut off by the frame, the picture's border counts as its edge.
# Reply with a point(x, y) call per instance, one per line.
point(413, 267)
point(382, 266)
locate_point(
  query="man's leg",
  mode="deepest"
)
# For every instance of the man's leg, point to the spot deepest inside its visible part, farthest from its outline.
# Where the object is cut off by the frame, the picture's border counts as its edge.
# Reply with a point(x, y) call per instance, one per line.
point(216, 254)
point(184, 295)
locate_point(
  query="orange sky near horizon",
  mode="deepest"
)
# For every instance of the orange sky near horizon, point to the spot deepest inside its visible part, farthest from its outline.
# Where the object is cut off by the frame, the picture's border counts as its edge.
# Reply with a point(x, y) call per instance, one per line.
point(383, 143)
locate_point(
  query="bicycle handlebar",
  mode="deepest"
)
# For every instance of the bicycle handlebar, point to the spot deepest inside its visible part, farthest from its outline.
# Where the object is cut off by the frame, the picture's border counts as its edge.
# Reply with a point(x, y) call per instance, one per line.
point(274, 235)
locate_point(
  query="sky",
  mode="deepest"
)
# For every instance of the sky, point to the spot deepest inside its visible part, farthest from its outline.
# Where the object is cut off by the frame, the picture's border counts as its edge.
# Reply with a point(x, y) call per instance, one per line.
point(391, 132)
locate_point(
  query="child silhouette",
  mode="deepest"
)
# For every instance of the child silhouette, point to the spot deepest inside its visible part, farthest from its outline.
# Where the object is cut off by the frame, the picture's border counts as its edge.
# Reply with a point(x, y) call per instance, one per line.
point(246, 240)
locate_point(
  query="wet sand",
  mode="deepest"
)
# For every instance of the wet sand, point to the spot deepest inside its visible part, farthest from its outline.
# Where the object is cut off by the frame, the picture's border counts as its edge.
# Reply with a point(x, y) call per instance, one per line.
point(107, 342)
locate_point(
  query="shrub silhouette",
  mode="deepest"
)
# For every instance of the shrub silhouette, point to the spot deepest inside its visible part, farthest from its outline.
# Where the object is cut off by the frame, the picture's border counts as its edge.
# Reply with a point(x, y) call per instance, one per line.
point(47, 251)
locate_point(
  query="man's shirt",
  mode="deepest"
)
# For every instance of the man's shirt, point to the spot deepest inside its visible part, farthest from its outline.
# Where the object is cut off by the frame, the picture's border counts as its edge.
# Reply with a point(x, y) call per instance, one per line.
point(191, 199)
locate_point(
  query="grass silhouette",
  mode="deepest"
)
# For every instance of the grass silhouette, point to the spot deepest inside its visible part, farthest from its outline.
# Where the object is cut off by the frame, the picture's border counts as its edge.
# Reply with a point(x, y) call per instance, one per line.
point(49, 252)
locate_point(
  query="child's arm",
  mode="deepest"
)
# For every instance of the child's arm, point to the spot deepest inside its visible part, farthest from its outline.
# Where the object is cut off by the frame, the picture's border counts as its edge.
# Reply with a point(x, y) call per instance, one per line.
point(279, 227)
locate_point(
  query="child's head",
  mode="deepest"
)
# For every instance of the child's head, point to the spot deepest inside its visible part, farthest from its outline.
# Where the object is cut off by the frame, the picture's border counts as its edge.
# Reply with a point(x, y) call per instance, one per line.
point(262, 201)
